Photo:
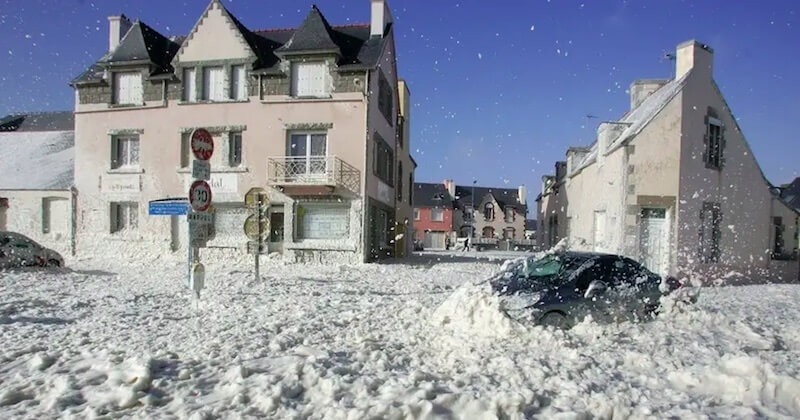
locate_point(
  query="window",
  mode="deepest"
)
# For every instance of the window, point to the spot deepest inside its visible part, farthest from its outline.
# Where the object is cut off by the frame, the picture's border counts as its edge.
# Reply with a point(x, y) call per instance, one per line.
point(416, 214)
point(384, 160)
point(710, 218)
point(308, 154)
point(124, 216)
point(488, 232)
point(234, 149)
point(714, 143)
point(189, 85)
point(55, 213)
point(410, 189)
point(599, 231)
point(310, 80)
point(124, 151)
point(469, 214)
point(509, 233)
point(385, 98)
point(778, 246)
point(323, 221)
point(213, 83)
point(552, 230)
point(401, 131)
point(437, 214)
point(399, 181)
point(128, 88)
point(510, 215)
point(238, 83)
point(488, 212)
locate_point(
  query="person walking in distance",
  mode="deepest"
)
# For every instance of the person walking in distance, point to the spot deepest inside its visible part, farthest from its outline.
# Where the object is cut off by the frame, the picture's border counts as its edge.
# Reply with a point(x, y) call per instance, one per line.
point(467, 243)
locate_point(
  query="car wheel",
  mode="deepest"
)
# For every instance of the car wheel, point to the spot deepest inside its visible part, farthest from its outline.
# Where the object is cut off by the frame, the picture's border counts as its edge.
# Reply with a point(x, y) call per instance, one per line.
point(555, 319)
point(53, 263)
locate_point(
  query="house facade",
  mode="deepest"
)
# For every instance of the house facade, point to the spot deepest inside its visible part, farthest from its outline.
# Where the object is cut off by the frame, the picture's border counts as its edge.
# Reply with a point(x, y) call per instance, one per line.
point(404, 186)
point(673, 183)
point(37, 198)
point(433, 214)
point(311, 114)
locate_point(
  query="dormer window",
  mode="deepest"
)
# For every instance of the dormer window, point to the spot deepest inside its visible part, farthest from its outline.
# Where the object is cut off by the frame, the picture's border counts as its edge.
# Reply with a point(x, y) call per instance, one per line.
point(214, 83)
point(238, 83)
point(310, 80)
point(488, 212)
point(128, 88)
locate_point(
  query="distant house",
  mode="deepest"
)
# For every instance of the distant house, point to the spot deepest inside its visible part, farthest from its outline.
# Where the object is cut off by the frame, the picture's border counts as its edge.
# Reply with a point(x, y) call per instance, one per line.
point(36, 177)
point(433, 214)
point(790, 193)
point(530, 229)
point(674, 184)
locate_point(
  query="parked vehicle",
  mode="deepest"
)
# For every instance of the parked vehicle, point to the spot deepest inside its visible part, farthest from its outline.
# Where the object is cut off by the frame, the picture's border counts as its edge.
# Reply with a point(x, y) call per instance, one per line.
point(18, 250)
point(562, 289)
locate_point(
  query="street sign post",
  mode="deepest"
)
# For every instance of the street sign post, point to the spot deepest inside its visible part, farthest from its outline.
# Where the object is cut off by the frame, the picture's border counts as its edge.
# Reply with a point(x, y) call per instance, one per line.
point(202, 144)
point(200, 195)
point(256, 227)
point(198, 278)
point(201, 169)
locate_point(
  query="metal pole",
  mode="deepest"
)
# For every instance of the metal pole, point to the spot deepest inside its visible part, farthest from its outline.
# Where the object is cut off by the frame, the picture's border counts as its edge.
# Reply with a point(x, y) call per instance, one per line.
point(258, 243)
point(472, 231)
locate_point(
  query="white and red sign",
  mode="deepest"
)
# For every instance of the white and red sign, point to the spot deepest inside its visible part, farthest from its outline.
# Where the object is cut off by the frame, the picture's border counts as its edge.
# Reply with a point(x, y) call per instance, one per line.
point(200, 195)
point(202, 144)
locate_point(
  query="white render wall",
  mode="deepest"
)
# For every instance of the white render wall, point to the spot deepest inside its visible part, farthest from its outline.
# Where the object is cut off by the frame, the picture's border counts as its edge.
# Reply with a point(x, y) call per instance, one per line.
point(25, 215)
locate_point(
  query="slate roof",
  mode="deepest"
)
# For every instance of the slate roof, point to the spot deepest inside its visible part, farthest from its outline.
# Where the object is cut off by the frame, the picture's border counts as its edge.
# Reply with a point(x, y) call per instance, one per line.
point(791, 194)
point(428, 194)
point(503, 196)
point(38, 121)
point(358, 50)
point(530, 224)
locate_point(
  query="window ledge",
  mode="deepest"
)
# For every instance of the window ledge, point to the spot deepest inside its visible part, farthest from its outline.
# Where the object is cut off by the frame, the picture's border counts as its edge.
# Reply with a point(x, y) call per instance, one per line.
point(208, 102)
point(126, 105)
point(218, 170)
point(295, 99)
point(125, 171)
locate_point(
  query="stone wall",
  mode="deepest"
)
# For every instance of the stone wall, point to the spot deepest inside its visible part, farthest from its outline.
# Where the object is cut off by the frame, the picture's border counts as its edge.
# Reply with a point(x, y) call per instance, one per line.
point(96, 94)
point(153, 91)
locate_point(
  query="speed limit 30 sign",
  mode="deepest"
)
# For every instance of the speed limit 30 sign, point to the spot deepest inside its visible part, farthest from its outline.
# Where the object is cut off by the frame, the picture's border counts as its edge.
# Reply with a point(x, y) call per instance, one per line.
point(200, 195)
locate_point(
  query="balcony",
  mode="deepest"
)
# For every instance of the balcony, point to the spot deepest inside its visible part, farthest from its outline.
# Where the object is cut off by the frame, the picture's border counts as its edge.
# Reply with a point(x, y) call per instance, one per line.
point(312, 174)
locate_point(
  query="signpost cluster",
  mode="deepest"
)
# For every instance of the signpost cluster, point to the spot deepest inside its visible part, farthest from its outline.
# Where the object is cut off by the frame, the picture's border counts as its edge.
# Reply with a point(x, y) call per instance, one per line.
point(256, 226)
point(200, 218)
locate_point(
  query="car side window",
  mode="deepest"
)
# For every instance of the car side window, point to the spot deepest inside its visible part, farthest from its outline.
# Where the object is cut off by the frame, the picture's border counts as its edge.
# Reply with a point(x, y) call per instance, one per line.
point(593, 270)
point(620, 272)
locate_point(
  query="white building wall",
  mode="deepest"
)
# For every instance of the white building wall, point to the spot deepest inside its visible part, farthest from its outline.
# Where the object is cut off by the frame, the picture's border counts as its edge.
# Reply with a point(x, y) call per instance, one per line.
point(31, 212)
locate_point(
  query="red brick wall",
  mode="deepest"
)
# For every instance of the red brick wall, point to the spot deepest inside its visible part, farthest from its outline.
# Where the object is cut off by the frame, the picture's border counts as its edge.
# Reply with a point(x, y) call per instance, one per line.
point(425, 223)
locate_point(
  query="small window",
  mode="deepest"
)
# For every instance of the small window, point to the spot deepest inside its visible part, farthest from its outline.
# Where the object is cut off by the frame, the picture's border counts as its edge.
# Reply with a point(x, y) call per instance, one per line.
point(437, 214)
point(778, 245)
point(383, 160)
point(124, 216)
point(186, 158)
point(411, 188)
point(238, 83)
point(488, 212)
point(469, 214)
point(385, 98)
point(399, 187)
point(714, 143)
point(487, 232)
point(310, 80)
point(128, 88)
point(213, 83)
point(509, 233)
point(510, 215)
point(416, 214)
point(710, 218)
point(234, 149)
point(189, 86)
point(124, 151)
point(401, 131)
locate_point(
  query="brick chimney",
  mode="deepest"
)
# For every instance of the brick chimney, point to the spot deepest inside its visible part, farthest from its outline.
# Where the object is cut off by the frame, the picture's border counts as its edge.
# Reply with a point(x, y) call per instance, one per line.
point(118, 26)
point(380, 17)
point(693, 55)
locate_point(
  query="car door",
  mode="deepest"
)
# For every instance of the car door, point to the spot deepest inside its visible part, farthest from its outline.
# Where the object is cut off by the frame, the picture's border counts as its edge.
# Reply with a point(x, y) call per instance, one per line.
point(598, 305)
point(22, 251)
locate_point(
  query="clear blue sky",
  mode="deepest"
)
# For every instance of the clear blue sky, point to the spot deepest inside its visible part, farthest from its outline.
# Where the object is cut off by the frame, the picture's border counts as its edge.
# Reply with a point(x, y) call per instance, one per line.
point(499, 89)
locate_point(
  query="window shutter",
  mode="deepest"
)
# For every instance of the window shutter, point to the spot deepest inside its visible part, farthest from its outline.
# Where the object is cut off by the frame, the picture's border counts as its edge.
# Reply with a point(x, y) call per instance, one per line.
point(189, 89)
point(722, 143)
point(135, 88)
point(115, 163)
point(238, 83)
point(184, 150)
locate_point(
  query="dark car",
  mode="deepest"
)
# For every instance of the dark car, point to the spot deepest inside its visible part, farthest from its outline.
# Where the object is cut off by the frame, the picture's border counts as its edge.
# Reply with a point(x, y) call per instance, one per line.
point(18, 250)
point(562, 289)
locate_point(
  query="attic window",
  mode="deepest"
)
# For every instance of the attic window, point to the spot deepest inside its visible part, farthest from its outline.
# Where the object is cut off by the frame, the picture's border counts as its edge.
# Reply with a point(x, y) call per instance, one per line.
point(488, 212)
point(128, 88)
point(715, 143)
point(311, 80)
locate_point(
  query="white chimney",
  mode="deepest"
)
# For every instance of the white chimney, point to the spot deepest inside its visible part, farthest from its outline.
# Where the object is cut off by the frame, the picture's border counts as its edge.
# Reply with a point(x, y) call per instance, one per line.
point(693, 55)
point(451, 187)
point(523, 194)
point(380, 17)
point(118, 26)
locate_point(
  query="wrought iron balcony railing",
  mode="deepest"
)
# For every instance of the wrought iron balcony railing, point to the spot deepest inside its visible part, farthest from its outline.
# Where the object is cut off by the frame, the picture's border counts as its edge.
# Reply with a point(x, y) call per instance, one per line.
point(312, 171)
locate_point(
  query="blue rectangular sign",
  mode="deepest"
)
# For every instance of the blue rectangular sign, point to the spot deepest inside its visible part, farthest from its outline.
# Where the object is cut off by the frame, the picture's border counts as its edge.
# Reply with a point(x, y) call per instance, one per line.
point(168, 208)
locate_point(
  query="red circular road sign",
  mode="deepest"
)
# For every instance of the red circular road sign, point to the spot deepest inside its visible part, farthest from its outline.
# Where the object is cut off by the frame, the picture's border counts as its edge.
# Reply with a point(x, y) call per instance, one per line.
point(202, 144)
point(200, 195)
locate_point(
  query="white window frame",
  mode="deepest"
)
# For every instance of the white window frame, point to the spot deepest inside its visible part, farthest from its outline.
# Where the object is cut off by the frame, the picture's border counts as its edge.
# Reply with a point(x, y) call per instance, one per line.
point(416, 213)
point(213, 88)
point(235, 149)
point(190, 84)
point(130, 160)
point(128, 88)
point(238, 88)
point(47, 214)
point(124, 216)
point(437, 214)
point(302, 78)
point(301, 225)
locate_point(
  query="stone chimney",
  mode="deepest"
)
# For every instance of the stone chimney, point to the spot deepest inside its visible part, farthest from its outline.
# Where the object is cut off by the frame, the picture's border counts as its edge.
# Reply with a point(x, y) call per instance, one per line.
point(380, 18)
point(451, 187)
point(118, 26)
point(693, 55)
point(561, 170)
point(574, 156)
point(641, 89)
point(607, 133)
point(523, 194)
